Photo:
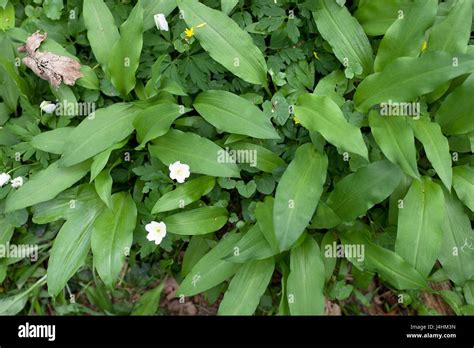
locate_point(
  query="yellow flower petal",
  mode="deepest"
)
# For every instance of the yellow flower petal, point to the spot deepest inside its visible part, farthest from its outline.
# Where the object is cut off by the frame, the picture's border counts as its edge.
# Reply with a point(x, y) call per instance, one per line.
point(189, 32)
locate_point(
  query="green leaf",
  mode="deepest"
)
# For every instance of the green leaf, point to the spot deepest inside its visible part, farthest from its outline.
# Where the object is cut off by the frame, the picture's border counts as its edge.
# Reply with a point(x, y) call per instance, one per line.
point(264, 216)
point(297, 194)
point(53, 8)
point(201, 154)
point(100, 160)
point(346, 37)
point(456, 113)
point(390, 266)
point(436, 148)
point(377, 16)
point(420, 225)
point(396, 140)
point(197, 221)
point(149, 302)
point(112, 237)
point(125, 54)
point(197, 247)
point(358, 192)
point(405, 36)
point(102, 32)
point(12, 305)
point(152, 7)
point(228, 5)
point(248, 285)
point(156, 121)
point(45, 185)
point(7, 17)
point(71, 246)
point(211, 270)
point(109, 126)
point(452, 34)
point(456, 256)
point(231, 113)
point(52, 141)
point(306, 279)
point(265, 160)
point(252, 246)
point(407, 78)
point(321, 114)
point(225, 41)
point(463, 183)
point(103, 186)
point(184, 194)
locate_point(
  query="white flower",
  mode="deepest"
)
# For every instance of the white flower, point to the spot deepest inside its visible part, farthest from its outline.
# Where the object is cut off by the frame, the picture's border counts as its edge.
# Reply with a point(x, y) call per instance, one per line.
point(4, 179)
point(160, 21)
point(47, 106)
point(17, 182)
point(156, 231)
point(179, 171)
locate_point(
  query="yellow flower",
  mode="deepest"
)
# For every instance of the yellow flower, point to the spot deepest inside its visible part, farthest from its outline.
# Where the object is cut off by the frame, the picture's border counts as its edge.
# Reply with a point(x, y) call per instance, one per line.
point(424, 46)
point(296, 120)
point(189, 32)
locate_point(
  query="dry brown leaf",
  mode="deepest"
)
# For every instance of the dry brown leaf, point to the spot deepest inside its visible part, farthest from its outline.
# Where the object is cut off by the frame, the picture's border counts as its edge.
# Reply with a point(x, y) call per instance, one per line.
point(49, 66)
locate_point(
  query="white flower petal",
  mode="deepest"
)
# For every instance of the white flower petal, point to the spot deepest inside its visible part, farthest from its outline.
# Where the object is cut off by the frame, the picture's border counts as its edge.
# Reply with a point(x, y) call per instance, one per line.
point(161, 22)
point(17, 182)
point(4, 179)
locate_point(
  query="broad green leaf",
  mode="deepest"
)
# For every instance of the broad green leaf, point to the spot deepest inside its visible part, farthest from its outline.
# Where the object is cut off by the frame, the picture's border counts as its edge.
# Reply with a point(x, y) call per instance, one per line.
point(325, 217)
point(64, 205)
point(125, 54)
point(390, 266)
point(452, 34)
point(197, 221)
point(156, 121)
point(377, 16)
point(252, 246)
point(71, 246)
point(52, 141)
point(112, 237)
point(457, 254)
point(93, 135)
point(346, 37)
point(321, 114)
point(265, 160)
point(184, 194)
point(53, 8)
point(7, 17)
point(306, 279)
point(228, 5)
point(100, 160)
point(329, 86)
point(407, 78)
point(396, 140)
point(456, 113)
point(436, 148)
point(463, 183)
point(12, 305)
point(420, 225)
point(197, 247)
point(231, 113)
point(211, 270)
point(201, 154)
point(246, 287)
point(225, 41)
point(103, 186)
point(102, 32)
point(45, 185)
point(152, 7)
point(264, 216)
point(149, 302)
point(405, 36)
point(358, 192)
point(297, 194)
point(327, 243)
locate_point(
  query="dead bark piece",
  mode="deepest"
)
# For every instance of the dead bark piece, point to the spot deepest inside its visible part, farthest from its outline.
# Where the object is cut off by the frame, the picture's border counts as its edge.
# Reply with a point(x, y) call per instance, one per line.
point(331, 308)
point(435, 301)
point(49, 66)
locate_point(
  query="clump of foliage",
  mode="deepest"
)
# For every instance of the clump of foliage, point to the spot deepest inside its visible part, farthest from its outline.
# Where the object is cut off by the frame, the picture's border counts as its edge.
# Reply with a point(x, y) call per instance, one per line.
point(267, 156)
